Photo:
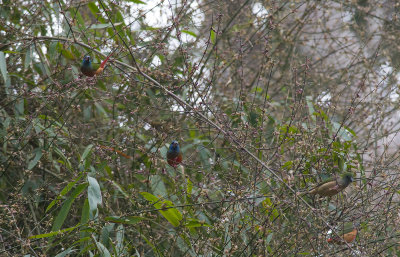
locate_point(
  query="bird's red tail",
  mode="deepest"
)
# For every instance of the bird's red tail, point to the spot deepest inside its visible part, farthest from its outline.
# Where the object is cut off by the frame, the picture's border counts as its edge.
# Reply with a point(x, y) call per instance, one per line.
point(115, 150)
point(103, 63)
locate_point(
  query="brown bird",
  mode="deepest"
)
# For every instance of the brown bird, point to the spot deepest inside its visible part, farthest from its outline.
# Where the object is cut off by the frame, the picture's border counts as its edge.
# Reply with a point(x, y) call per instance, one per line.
point(332, 186)
point(347, 232)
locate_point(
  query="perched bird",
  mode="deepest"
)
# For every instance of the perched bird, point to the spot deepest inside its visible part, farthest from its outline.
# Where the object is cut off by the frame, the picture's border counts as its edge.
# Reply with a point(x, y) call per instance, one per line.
point(347, 232)
point(174, 154)
point(333, 186)
point(89, 69)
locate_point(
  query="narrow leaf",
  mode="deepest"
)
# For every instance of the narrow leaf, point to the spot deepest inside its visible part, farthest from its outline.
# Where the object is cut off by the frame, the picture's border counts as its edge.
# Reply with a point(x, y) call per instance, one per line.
point(100, 109)
point(59, 220)
point(53, 233)
point(84, 220)
point(94, 194)
point(136, 1)
point(102, 249)
point(3, 66)
point(28, 58)
point(66, 252)
point(131, 220)
point(120, 189)
point(104, 25)
point(158, 186)
point(119, 238)
point(212, 36)
point(63, 192)
point(86, 152)
point(192, 223)
point(35, 160)
point(189, 33)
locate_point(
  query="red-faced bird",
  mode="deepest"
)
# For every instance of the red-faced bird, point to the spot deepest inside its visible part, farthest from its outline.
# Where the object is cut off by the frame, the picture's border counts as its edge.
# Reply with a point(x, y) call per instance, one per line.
point(90, 69)
point(174, 154)
point(346, 231)
point(333, 186)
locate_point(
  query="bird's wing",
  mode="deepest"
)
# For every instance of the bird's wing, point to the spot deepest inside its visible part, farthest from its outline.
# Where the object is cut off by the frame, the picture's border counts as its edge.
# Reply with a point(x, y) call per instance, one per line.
point(325, 187)
point(348, 228)
point(350, 236)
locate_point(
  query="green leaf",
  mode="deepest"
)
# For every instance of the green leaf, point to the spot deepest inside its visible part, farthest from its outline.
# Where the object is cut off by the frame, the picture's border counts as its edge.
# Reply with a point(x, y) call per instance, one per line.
point(19, 107)
point(269, 209)
point(85, 213)
point(193, 223)
point(253, 118)
point(59, 220)
point(94, 194)
point(212, 36)
point(103, 250)
point(66, 252)
point(66, 53)
point(131, 220)
point(158, 186)
point(65, 160)
point(3, 66)
point(3, 69)
point(171, 214)
point(11, 52)
point(269, 238)
point(185, 246)
point(84, 220)
point(189, 188)
point(104, 25)
point(35, 160)
point(86, 152)
point(310, 106)
point(63, 192)
point(155, 249)
point(28, 57)
point(43, 62)
point(119, 238)
point(150, 28)
point(204, 155)
point(149, 197)
point(350, 130)
point(105, 234)
point(136, 1)
point(341, 131)
point(120, 189)
point(100, 109)
point(94, 9)
point(189, 33)
point(53, 233)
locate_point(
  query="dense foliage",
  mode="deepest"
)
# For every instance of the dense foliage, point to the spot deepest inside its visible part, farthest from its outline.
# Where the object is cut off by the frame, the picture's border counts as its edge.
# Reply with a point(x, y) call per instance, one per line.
point(266, 99)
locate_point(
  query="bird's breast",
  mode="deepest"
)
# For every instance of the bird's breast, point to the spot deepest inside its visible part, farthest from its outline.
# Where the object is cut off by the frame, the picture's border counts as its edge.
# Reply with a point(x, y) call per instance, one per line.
point(88, 71)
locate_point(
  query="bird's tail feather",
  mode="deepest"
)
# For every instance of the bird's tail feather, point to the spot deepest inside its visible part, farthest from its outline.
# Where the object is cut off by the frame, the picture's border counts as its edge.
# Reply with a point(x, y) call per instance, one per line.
point(103, 63)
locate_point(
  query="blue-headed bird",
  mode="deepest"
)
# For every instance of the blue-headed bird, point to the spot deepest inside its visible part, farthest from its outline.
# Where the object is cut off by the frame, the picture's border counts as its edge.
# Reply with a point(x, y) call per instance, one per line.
point(174, 154)
point(90, 69)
